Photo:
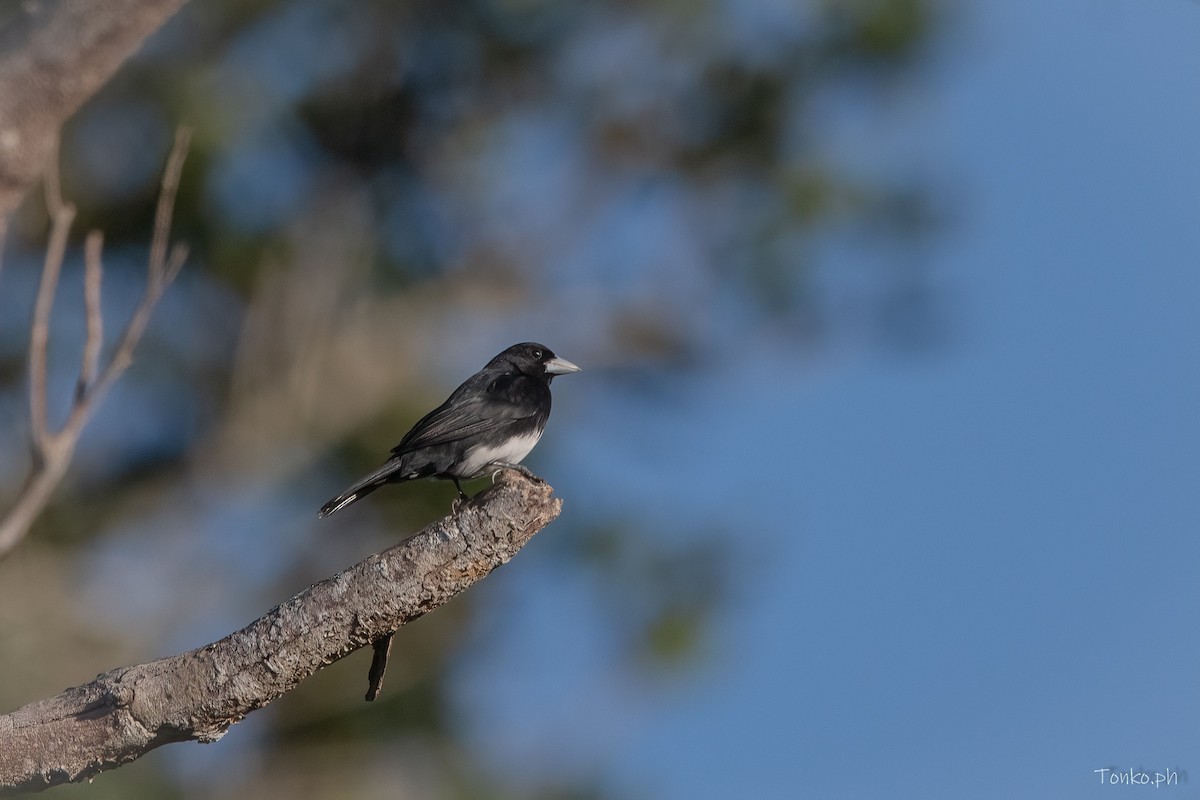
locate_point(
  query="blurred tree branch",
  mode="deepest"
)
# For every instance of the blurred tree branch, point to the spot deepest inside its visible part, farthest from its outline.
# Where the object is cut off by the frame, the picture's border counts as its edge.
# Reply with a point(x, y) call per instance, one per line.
point(125, 713)
point(54, 55)
point(53, 450)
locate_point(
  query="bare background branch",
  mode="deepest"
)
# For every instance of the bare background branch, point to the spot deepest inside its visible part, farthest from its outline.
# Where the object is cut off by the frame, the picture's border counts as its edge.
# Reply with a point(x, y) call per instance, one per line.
point(198, 695)
point(93, 272)
point(54, 54)
point(53, 450)
point(62, 215)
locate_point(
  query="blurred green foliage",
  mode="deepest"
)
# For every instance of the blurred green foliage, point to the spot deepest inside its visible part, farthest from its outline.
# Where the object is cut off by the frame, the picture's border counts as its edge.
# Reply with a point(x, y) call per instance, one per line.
point(367, 181)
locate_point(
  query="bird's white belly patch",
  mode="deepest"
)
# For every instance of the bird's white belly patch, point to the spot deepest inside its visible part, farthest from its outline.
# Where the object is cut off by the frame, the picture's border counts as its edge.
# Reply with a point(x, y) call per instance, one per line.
point(511, 452)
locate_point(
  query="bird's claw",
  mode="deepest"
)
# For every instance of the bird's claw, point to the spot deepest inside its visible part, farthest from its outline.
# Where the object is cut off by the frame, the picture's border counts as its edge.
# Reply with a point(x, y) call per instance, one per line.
point(501, 466)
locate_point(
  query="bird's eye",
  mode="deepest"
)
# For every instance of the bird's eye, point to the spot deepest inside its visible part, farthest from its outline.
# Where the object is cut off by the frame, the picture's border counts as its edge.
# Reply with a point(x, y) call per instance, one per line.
point(537, 354)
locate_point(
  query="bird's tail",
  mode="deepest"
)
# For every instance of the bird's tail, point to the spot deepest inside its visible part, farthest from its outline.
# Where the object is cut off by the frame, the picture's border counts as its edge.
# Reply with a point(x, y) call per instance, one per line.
point(361, 489)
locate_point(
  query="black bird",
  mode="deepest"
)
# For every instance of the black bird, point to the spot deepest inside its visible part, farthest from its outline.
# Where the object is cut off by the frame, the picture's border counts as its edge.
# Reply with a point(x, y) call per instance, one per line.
point(492, 421)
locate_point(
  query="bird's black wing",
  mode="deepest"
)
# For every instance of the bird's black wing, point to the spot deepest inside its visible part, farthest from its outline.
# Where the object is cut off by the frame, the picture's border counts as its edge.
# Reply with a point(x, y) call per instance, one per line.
point(474, 408)
point(467, 412)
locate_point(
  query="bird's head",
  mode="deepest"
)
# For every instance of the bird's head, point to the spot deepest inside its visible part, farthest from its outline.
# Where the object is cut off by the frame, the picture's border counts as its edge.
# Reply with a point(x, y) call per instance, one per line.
point(536, 360)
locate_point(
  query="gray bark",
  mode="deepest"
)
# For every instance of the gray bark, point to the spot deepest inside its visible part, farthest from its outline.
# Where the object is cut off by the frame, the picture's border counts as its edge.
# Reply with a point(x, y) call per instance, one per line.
point(198, 695)
point(54, 55)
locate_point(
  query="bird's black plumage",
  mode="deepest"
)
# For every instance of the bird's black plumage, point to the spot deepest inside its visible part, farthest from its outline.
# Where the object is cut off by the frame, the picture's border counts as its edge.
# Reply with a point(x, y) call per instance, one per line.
point(494, 419)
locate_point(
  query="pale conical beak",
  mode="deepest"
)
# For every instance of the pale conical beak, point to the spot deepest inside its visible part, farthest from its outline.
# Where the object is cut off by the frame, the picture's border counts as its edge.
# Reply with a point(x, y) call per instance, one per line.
point(560, 366)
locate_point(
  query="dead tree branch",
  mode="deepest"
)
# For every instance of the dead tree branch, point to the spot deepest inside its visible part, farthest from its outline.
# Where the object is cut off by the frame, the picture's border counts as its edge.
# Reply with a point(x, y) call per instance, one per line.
point(54, 55)
point(198, 695)
point(53, 450)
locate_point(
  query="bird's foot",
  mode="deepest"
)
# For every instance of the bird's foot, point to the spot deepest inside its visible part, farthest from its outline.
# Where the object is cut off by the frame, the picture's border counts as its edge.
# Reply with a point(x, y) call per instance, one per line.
point(460, 500)
point(500, 466)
